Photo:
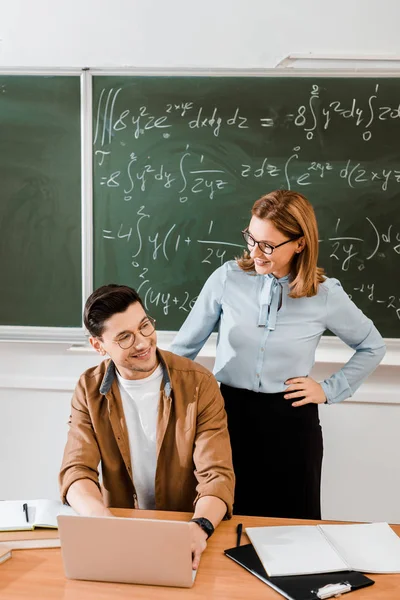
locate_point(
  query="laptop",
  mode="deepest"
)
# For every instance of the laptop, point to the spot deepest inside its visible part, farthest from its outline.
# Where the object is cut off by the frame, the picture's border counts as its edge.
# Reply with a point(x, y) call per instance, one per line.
point(145, 551)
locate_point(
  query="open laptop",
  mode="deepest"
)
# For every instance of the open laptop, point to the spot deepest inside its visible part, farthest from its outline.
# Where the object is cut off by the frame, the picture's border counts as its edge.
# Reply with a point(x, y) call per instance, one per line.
point(147, 551)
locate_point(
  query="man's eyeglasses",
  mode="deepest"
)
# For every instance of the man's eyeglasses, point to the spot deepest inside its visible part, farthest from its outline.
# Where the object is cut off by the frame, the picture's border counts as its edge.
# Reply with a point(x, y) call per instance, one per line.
point(128, 339)
point(264, 246)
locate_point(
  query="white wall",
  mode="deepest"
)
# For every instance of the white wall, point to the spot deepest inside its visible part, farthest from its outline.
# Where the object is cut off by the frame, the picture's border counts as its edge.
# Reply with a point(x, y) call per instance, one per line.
point(362, 443)
point(178, 33)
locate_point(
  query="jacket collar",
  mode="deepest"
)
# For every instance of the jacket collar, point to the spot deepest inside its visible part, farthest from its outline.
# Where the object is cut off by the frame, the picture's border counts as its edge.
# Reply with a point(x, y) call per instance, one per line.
point(111, 374)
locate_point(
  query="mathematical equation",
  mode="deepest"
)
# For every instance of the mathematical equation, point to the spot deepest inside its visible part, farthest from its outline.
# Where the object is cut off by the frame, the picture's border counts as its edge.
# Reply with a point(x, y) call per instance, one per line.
point(185, 302)
point(194, 175)
point(344, 249)
point(316, 114)
point(174, 181)
point(350, 252)
point(162, 243)
point(369, 290)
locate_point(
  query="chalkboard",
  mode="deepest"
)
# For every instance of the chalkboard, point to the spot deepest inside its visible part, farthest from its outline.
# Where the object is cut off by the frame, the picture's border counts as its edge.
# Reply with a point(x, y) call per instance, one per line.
point(40, 201)
point(179, 161)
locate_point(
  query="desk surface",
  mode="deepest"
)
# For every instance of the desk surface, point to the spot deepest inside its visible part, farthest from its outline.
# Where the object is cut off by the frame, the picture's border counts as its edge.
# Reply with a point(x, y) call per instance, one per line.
point(39, 575)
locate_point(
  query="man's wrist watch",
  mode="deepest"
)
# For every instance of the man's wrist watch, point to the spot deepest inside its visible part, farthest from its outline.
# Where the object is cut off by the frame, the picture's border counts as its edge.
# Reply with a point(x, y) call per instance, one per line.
point(205, 524)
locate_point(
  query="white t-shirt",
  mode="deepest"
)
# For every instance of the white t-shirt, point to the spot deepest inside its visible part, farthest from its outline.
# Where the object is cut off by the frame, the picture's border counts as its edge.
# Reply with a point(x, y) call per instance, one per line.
point(140, 399)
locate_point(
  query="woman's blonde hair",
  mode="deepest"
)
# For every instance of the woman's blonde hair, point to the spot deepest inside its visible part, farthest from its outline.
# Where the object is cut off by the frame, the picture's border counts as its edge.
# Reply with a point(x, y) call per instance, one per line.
point(292, 214)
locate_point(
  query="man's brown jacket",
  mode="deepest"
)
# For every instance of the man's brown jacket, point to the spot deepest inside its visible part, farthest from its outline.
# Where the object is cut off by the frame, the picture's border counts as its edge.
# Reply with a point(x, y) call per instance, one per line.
point(193, 449)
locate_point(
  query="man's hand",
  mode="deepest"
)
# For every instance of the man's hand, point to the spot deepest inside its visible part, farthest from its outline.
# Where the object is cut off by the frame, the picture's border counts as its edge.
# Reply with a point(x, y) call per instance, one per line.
point(199, 543)
point(306, 388)
point(85, 498)
point(211, 508)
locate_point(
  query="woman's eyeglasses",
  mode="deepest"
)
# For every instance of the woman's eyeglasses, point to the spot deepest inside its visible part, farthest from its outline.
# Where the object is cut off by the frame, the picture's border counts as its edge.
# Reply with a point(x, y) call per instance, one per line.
point(264, 246)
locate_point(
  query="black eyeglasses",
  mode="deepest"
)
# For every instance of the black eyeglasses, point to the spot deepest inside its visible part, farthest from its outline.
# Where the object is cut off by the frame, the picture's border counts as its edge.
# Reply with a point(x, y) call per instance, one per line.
point(128, 339)
point(264, 246)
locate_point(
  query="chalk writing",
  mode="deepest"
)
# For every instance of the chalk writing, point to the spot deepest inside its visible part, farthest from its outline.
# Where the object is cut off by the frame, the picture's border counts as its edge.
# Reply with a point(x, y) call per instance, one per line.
point(177, 170)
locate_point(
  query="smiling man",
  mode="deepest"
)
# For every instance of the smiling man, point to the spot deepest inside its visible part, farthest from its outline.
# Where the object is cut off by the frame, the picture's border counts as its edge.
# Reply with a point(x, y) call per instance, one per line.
point(155, 421)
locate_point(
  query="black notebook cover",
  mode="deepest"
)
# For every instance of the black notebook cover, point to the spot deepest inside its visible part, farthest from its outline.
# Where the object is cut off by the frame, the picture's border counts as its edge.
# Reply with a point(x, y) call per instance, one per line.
point(295, 587)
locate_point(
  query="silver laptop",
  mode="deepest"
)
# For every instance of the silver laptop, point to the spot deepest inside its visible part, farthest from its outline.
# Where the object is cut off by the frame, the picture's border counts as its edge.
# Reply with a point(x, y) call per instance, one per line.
point(148, 551)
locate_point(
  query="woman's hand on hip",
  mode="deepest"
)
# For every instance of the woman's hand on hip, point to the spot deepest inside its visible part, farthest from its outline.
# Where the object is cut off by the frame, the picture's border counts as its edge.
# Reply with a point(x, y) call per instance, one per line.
point(306, 388)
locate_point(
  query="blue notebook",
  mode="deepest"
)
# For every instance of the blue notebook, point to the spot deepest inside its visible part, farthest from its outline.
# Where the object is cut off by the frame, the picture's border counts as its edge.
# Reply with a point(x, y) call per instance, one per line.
point(318, 586)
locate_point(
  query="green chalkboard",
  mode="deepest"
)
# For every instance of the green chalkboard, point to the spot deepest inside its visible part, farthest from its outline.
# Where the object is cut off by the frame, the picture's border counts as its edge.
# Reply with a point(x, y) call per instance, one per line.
point(40, 201)
point(179, 161)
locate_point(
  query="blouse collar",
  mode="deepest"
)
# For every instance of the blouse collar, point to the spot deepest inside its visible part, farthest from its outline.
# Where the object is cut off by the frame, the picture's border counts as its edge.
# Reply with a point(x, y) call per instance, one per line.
point(270, 299)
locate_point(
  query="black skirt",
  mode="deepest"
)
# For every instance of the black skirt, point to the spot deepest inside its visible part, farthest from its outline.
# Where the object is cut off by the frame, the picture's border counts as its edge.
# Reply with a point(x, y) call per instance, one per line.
point(277, 455)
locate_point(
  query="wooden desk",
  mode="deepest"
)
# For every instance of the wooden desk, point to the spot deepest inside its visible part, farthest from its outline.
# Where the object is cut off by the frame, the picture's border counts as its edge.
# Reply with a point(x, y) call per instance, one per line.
point(39, 575)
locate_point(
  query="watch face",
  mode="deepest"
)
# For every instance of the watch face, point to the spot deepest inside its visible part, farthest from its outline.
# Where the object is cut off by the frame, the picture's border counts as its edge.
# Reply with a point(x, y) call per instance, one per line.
point(205, 524)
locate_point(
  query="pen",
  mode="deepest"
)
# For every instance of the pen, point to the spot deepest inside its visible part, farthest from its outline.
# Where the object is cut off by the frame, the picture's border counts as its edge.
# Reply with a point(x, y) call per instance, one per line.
point(25, 509)
point(238, 533)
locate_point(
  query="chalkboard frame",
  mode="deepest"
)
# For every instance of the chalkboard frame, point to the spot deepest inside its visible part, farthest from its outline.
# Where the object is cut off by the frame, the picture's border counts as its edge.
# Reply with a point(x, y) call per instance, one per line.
point(78, 335)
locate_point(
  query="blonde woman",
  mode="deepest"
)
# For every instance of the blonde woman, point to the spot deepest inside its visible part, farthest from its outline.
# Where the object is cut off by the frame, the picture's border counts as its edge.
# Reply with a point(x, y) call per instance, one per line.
point(271, 308)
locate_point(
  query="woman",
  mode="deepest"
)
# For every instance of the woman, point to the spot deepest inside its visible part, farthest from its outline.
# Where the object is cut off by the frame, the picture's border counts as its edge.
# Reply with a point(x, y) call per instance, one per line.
point(272, 307)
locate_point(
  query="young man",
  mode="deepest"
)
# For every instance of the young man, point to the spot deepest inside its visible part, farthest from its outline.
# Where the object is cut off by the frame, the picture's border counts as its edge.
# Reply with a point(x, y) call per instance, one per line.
point(155, 420)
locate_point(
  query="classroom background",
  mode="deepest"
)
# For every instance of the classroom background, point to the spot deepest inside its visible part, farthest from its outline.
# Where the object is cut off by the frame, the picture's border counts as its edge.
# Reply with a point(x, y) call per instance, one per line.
point(361, 474)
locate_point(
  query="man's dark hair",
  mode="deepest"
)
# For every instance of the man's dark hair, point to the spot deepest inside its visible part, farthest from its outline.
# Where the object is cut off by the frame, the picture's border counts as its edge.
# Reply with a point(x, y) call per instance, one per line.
point(105, 302)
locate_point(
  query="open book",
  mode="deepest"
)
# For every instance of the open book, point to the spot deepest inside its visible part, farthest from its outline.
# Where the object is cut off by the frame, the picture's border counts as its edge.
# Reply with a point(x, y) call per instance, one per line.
point(307, 549)
point(21, 515)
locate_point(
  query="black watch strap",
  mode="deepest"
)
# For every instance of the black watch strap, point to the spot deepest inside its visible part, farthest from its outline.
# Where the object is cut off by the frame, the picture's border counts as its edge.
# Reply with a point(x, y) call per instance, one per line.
point(205, 524)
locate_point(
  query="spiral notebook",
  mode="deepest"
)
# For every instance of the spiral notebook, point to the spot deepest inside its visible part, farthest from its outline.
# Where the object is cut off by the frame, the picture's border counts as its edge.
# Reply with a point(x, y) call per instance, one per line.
point(300, 587)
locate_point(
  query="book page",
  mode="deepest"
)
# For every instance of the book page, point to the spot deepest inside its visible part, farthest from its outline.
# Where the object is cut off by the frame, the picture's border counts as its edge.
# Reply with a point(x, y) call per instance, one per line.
point(46, 512)
point(369, 547)
point(294, 550)
point(12, 516)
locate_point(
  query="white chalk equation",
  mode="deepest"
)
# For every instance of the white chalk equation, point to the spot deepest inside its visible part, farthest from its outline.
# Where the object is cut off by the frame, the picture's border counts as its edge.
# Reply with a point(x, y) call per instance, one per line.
point(190, 175)
point(151, 248)
point(184, 301)
point(390, 301)
point(163, 243)
point(315, 114)
point(152, 297)
point(347, 250)
point(177, 168)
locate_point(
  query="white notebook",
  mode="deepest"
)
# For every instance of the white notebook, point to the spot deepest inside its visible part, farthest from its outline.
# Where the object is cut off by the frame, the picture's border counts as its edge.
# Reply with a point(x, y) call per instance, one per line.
point(307, 549)
point(30, 544)
point(39, 513)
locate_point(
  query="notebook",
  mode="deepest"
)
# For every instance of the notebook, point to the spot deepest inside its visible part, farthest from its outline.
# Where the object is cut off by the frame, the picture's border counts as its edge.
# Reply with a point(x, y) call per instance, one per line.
point(5, 553)
point(38, 513)
point(306, 549)
point(146, 551)
point(300, 587)
point(31, 544)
